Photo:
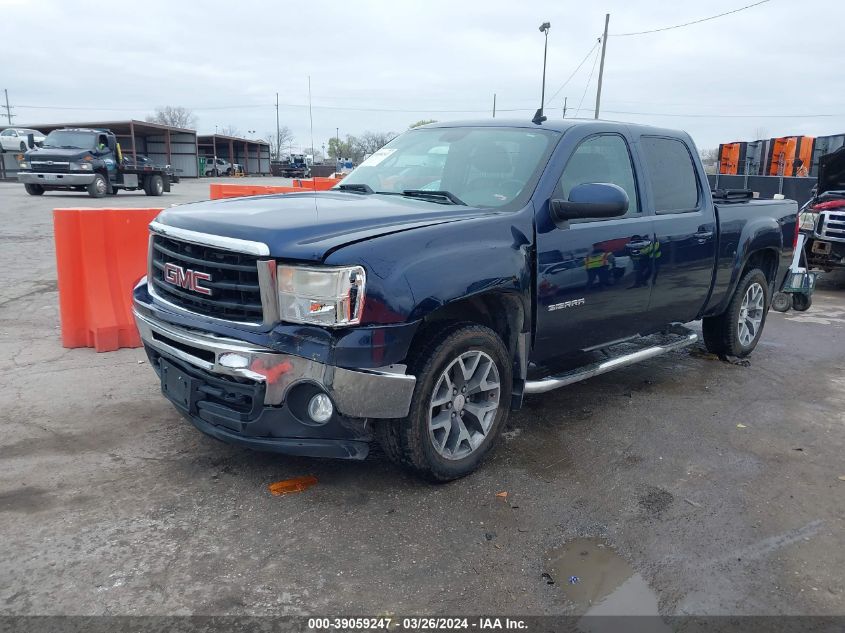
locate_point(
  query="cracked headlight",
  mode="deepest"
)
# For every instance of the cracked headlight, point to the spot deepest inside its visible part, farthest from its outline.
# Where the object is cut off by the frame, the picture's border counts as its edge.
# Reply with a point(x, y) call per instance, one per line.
point(321, 295)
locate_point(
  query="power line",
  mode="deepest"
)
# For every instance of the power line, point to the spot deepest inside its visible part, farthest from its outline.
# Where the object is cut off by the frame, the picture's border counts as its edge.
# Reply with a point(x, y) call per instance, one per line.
point(729, 116)
point(465, 111)
point(577, 68)
point(699, 21)
point(587, 87)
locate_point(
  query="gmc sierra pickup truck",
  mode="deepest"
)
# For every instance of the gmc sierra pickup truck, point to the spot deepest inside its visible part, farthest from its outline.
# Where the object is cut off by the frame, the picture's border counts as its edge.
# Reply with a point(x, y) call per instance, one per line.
point(458, 269)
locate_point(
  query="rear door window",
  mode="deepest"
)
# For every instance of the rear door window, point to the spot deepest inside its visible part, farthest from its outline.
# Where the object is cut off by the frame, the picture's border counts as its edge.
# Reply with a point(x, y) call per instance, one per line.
point(671, 172)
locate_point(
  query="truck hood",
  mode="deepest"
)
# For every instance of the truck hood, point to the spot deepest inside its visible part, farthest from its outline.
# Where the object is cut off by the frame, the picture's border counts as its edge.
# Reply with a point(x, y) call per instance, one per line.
point(56, 154)
point(308, 226)
point(832, 172)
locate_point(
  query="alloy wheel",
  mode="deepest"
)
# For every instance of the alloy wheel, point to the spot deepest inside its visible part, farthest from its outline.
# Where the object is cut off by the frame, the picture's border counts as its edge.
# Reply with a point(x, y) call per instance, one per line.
point(751, 313)
point(464, 405)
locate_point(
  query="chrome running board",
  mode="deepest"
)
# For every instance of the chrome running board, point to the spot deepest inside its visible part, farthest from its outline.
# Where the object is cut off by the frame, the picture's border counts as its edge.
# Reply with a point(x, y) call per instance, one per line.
point(676, 337)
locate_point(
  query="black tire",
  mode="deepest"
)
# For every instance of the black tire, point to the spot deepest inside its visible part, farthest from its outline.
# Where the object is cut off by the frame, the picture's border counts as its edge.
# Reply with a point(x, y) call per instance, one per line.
point(34, 190)
point(99, 187)
point(722, 332)
point(154, 186)
point(409, 441)
point(229, 171)
point(23, 146)
point(801, 302)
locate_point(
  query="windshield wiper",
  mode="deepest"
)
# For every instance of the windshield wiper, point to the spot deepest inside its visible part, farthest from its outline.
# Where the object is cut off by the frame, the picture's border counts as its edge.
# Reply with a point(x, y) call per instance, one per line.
point(357, 188)
point(440, 197)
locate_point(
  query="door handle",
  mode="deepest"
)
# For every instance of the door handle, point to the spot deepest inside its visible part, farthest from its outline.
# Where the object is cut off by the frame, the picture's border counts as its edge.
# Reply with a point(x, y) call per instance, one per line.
point(702, 235)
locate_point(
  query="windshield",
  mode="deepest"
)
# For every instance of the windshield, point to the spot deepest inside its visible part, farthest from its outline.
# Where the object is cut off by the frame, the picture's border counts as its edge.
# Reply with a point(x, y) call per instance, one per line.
point(479, 166)
point(70, 140)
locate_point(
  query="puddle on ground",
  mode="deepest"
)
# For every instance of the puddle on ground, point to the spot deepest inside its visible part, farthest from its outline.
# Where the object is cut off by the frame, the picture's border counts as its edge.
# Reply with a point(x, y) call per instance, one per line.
point(600, 582)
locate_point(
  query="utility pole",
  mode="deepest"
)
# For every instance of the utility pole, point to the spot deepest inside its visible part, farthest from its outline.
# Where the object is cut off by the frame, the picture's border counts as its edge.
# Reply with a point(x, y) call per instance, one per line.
point(278, 132)
point(494, 105)
point(8, 109)
point(601, 65)
point(565, 99)
point(337, 148)
point(310, 118)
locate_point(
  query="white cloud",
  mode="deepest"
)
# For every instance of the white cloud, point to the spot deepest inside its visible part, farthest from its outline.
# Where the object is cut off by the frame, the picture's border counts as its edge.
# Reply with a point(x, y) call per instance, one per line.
point(227, 60)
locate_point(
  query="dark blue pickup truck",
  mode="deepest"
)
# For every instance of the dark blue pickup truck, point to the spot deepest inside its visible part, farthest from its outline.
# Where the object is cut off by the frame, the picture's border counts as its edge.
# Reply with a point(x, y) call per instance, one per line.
point(458, 269)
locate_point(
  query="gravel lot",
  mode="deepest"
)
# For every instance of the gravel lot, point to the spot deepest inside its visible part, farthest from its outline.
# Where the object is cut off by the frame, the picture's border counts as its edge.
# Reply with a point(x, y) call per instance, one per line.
point(721, 485)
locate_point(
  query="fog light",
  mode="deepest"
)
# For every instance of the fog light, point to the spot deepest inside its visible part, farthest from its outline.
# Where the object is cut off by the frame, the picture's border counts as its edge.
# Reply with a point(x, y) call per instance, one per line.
point(320, 408)
point(233, 361)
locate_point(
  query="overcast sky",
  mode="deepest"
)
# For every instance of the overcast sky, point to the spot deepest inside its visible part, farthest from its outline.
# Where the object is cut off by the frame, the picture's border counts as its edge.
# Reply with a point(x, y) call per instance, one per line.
point(383, 65)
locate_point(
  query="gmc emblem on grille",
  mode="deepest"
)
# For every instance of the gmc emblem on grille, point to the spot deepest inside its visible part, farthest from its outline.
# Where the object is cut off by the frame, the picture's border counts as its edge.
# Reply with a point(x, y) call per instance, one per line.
point(186, 278)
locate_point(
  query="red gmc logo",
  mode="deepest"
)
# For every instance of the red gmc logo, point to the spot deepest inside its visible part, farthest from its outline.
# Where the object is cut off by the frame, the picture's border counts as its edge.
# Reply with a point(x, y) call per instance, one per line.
point(186, 278)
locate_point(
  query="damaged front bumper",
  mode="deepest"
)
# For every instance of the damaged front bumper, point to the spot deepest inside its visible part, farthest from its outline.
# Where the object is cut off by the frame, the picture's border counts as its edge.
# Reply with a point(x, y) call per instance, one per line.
point(251, 395)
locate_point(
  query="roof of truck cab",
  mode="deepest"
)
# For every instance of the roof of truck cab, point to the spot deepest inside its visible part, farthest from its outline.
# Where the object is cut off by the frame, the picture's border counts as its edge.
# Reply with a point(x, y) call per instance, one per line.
point(560, 125)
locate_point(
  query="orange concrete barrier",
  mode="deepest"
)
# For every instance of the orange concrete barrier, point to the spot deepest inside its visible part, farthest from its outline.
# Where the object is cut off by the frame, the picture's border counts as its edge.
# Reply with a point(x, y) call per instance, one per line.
point(100, 255)
point(317, 184)
point(219, 191)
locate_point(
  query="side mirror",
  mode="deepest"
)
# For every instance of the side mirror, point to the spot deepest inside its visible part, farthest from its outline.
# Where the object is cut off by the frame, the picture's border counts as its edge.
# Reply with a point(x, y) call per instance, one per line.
point(591, 200)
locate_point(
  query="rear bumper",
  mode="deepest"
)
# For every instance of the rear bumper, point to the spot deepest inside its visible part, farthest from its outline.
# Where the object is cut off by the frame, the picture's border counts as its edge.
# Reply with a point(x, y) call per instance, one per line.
point(55, 179)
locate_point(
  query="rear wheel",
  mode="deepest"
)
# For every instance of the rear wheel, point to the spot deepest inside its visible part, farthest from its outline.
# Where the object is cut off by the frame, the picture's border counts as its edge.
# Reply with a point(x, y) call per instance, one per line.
point(459, 407)
point(737, 331)
point(154, 186)
point(34, 190)
point(99, 187)
point(801, 302)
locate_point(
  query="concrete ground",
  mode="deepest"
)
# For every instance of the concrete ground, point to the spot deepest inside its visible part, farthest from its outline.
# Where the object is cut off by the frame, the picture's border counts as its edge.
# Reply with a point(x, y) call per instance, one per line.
point(721, 485)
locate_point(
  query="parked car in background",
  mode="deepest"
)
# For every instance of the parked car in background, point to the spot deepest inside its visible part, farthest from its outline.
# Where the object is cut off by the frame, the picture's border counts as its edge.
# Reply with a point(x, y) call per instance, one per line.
point(421, 299)
point(220, 167)
point(16, 139)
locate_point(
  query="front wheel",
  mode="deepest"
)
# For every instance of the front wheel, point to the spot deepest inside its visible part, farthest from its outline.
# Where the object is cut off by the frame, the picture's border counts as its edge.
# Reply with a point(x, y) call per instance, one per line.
point(737, 331)
point(34, 190)
point(459, 407)
point(99, 187)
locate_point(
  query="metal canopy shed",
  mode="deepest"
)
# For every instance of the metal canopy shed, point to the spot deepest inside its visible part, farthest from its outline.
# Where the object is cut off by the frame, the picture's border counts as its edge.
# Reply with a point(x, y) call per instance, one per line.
point(163, 144)
point(253, 155)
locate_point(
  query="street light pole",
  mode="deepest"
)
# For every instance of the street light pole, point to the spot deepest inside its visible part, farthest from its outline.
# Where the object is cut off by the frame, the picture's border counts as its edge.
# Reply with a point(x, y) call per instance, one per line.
point(539, 117)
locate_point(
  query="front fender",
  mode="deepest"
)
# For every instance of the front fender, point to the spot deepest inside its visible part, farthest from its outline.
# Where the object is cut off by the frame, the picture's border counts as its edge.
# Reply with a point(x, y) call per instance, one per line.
point(411, 274)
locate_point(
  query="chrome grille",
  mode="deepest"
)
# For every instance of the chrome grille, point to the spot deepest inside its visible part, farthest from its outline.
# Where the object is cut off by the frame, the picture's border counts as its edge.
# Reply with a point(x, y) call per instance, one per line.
point(50, 166)
point(234, 284)
point(832, 225)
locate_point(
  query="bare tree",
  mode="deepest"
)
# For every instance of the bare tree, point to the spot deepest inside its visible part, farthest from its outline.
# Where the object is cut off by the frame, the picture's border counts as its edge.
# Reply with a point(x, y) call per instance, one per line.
point(280, 142)
point(760, 133)
point(370, 142)
point(229, 130)
point(176, 116)
point(710, 159)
